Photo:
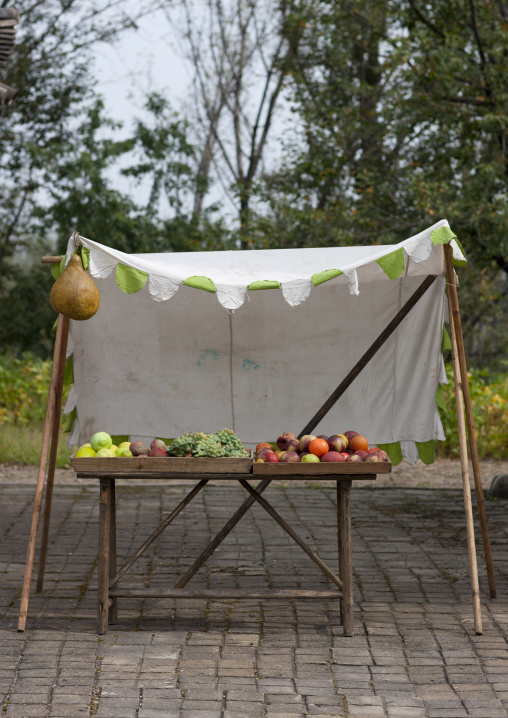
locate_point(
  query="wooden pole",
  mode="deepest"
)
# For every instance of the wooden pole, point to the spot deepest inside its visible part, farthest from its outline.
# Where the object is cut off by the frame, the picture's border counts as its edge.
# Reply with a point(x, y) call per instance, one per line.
point(55, 433)
point(456, 325)
point(40, 478)
point(464, 465)
point(104, 546)
point(345, 555)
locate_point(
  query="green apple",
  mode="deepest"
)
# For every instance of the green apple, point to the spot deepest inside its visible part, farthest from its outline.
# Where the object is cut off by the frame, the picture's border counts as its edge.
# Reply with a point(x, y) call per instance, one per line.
point(310, 459)
point(124, 445)
point(100, 440)
point(123, 451)
point(104, 453)
point(85, 452)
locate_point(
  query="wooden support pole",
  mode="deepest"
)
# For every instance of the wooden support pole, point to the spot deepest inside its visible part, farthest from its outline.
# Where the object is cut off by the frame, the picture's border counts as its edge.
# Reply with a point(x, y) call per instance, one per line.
point(40, 478)
point(113, 603)
point(104, 547)
point(55, 433)
point(456, 325)
point(345, 557)
point(464, 465)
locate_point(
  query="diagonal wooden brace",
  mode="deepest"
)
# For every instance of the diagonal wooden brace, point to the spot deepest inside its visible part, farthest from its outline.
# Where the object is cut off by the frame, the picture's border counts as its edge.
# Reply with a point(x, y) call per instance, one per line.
point(183, 503)
point(287, 528)
point(359, 366)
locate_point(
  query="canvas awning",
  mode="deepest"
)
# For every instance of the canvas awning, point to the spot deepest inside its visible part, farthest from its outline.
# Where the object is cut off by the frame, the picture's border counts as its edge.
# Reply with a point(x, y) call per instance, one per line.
point(147, 368)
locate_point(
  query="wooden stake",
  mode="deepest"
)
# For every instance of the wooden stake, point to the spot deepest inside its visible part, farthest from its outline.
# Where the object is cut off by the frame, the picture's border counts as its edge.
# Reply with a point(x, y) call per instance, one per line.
point(40, 478)
point(461, 355)
point(55, 433)
point(464, 465)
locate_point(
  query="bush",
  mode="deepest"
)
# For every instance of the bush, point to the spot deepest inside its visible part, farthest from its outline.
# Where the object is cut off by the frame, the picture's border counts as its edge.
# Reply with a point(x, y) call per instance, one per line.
point(489, 397)
point(24, 386)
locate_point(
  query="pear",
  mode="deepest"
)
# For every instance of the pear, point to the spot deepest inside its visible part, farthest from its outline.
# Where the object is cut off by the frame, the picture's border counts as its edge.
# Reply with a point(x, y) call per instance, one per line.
point(74, 293)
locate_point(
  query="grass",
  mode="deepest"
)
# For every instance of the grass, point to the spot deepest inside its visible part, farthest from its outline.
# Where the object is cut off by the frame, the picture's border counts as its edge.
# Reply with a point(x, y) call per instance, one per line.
point(22, 445)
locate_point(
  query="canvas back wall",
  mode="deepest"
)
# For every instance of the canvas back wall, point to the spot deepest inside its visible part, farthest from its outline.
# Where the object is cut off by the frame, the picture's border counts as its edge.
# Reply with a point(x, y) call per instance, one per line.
point(145, 368)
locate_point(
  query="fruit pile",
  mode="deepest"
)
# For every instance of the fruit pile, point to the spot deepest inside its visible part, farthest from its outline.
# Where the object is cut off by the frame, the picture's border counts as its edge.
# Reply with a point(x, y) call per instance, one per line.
point(349, 446)
point(224, 443)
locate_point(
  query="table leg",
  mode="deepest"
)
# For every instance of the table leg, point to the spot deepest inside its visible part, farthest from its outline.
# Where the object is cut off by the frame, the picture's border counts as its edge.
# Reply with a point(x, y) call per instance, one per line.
point(113, 609)
point(345, 558)
point(341, 563)
point(104, 548)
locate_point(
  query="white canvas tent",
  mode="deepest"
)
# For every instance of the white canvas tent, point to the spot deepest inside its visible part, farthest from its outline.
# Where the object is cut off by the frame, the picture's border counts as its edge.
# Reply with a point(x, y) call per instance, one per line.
point(182, 363)
point(162, 356)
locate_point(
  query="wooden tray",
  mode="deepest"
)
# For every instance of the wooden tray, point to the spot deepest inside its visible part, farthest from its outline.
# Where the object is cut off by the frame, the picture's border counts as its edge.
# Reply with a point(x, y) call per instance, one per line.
point(163, 465)
point(328, 467)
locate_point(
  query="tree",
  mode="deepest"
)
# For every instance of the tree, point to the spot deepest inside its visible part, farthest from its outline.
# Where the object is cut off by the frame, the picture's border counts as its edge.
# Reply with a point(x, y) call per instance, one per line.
point(50, 68)
point(239, 54)
point(404, 115)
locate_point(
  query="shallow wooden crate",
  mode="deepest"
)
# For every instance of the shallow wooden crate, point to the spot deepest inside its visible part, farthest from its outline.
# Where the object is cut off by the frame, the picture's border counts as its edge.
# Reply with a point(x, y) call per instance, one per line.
point(336, 468)
point(163, 465)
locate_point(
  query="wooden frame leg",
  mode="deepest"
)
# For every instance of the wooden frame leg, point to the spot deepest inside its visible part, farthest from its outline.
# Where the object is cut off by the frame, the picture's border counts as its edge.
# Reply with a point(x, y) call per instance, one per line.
point(55, 433)
point(104, 549)
point(461, 354)
point(113, 608)
point(471, 546)
point(57, 357)
point(345, 554)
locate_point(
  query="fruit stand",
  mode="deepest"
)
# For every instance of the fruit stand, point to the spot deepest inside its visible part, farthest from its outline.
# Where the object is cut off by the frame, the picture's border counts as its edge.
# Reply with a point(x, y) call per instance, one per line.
point(160, 359)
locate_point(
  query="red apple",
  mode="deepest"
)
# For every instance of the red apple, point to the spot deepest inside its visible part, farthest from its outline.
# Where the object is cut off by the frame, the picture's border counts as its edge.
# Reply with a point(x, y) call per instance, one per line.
point(338, 442)
point(372, 449)
point(322, 436)
point(284, 438)
point(272, 458)
point(345, 455)
point(157, 444)
point(305, 441)
point(361, 453)
point(157, 451)
point(138, 448)
point(378, 455)
point(261, 454)
point(354, 458)
point(332, 456)
point(263, 445)
point(292, 445)
point(290, 457)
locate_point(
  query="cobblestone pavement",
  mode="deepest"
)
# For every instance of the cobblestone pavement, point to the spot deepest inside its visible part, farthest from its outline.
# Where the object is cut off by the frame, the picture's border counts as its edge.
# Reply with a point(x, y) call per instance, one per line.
point(414, 654)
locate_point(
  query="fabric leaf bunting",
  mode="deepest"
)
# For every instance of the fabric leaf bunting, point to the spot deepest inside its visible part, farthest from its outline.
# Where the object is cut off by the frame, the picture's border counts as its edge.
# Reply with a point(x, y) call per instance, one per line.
point(130, 280)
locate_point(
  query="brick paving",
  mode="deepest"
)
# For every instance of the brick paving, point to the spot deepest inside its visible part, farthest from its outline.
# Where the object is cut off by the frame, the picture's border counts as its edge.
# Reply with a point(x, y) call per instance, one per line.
point(414, 655)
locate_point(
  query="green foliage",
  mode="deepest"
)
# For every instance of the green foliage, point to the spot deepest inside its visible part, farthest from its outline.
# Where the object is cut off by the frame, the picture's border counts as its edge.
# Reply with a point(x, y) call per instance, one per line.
point(26, 315)
point(22, 445)
point(489, 396)
point(24, 386)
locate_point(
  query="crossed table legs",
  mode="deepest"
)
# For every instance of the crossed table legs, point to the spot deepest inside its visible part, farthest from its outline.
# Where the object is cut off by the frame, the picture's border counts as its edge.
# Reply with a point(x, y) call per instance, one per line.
point(109, 589)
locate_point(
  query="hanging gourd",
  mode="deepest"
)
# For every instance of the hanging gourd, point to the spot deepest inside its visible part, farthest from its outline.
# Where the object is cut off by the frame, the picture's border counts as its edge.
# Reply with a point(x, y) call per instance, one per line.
point(74, 293)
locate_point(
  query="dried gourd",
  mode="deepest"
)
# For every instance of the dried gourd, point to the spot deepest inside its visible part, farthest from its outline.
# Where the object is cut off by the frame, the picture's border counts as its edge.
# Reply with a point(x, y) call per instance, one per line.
point(74, 293)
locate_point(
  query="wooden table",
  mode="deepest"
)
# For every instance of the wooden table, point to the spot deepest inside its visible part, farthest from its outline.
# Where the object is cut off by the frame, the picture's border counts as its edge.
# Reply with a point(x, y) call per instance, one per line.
point(106, 471)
